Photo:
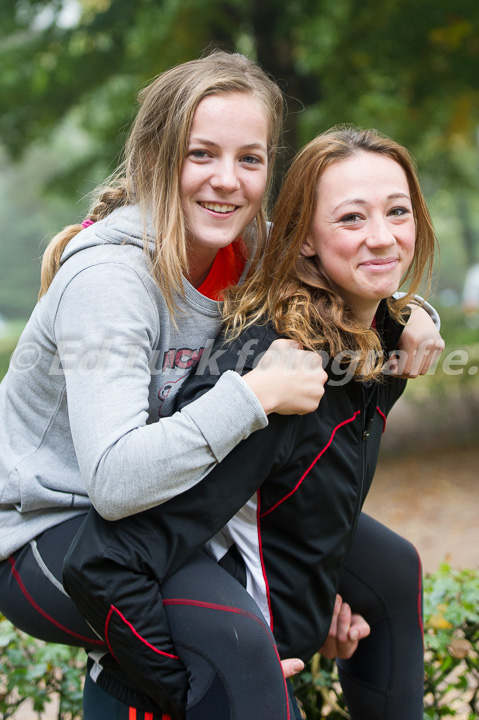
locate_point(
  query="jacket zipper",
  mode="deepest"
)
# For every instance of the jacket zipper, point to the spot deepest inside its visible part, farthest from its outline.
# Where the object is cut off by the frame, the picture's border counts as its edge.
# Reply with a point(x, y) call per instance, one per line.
point(368, 410)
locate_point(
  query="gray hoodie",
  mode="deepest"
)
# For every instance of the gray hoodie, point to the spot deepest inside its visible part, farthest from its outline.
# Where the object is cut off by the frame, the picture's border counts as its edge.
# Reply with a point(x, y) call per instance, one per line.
point(97, 366)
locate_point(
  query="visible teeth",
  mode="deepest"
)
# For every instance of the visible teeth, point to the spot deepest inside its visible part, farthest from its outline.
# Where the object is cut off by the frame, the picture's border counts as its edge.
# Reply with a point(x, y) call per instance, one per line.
point(218, 208)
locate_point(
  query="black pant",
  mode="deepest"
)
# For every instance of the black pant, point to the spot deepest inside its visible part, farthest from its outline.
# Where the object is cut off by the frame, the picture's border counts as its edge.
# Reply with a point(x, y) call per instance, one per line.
point(382, 580)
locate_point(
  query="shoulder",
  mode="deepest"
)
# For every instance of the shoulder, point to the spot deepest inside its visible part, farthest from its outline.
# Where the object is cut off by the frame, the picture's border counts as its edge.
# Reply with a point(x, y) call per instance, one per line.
point(101, 293)
point(242, 353)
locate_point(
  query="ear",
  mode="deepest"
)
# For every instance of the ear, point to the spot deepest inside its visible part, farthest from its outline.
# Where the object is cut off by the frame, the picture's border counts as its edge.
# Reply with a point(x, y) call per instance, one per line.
point(307, 248)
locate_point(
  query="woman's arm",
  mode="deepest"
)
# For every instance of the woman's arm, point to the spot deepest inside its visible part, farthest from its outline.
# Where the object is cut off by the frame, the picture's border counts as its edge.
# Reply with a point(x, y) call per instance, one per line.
point(421, 344)
point(114, 570)
point(128, 465)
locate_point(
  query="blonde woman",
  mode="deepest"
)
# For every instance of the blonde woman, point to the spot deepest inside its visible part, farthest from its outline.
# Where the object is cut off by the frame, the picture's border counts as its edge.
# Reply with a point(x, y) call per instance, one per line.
point(128, 303)
point(350, 228)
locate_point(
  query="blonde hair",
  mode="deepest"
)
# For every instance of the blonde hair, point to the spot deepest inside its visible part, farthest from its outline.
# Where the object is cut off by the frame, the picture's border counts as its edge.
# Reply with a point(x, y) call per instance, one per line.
point(290, 289)
point(154, 154)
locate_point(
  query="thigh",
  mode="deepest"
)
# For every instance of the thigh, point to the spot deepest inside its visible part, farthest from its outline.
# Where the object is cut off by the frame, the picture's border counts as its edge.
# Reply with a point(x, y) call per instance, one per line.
point(226, 645)
point(32, 596)
point(382, 574)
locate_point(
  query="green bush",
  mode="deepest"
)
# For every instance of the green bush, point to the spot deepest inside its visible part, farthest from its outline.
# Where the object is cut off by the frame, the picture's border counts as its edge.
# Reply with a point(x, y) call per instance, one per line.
point(39, 672)
point(451, 609)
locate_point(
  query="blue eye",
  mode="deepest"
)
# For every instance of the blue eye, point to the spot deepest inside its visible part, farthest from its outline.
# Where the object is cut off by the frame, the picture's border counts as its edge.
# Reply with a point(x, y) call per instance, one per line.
point(200, 154)
point(250, 159)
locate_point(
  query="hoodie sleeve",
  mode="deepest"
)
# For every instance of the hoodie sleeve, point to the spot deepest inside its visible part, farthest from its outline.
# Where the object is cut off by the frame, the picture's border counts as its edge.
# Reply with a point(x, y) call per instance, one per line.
point(431, 311)
point(126, 464)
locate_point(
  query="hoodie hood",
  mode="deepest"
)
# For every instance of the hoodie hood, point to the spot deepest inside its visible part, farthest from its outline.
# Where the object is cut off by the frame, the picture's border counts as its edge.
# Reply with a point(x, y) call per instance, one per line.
point(123, 226)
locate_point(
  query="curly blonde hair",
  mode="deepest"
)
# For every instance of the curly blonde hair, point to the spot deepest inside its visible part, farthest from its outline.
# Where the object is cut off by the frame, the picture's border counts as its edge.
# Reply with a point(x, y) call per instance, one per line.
point(289, 288)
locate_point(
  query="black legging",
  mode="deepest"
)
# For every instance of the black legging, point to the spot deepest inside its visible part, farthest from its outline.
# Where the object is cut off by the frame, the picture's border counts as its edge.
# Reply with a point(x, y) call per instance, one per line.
point(382, 581)
point(222, 638)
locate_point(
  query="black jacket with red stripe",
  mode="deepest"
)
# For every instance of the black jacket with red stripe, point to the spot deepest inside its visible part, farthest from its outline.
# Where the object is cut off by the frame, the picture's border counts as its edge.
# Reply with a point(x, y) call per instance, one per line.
point(311, 472)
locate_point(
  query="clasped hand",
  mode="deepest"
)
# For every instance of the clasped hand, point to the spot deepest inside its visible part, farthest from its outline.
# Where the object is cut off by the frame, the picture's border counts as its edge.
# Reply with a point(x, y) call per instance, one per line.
point(345, 632)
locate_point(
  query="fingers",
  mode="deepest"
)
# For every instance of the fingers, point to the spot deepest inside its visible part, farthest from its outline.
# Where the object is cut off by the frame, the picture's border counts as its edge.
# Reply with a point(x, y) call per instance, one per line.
point(351, 629)
point(412, 363)
point(427, 354)
point(345, 644)
point(288, 380)
point(360, 629)
point(292, 666)
point(333, 629)
point(343, 625)
point(292, 343)
point(291, 354)
point(345, 632)
point(434, 355)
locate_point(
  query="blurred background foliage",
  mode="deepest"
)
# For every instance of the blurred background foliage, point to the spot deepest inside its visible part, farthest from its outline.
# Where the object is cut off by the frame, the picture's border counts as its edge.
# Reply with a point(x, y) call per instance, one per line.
point(70, 73)
point(71, 70)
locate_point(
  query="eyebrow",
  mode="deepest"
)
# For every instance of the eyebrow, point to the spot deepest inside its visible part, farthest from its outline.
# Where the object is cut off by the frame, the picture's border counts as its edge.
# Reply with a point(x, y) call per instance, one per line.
point(360, 201)
point(211, 143)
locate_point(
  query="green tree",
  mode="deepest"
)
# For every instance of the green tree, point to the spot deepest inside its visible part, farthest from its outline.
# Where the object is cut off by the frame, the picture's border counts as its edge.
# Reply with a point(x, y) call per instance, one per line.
point(30, 215)
point(409, 68)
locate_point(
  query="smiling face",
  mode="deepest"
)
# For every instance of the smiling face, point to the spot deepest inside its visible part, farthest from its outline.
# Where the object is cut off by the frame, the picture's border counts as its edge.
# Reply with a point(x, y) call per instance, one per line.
point(363, 230)
point(224, 175)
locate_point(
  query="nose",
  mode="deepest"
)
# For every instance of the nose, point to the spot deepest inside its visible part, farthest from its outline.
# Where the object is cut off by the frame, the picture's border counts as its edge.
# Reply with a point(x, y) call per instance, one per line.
point(380, 233)
point(225, 176)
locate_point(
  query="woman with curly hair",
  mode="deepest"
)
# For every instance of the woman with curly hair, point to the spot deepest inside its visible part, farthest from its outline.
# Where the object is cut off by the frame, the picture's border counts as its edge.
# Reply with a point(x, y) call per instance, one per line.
point(282, 511)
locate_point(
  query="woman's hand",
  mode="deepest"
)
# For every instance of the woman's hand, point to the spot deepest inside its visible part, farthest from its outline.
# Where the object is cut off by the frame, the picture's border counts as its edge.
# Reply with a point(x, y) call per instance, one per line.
point(292, 666)
point(419, 348)
point(288, 380)
point(345, 632)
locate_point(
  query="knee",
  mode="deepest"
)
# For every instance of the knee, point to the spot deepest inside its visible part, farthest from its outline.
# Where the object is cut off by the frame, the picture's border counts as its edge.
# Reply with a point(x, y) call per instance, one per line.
point(386, 581)
point(241, 636)
point(404, 582)
point(388, 563)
